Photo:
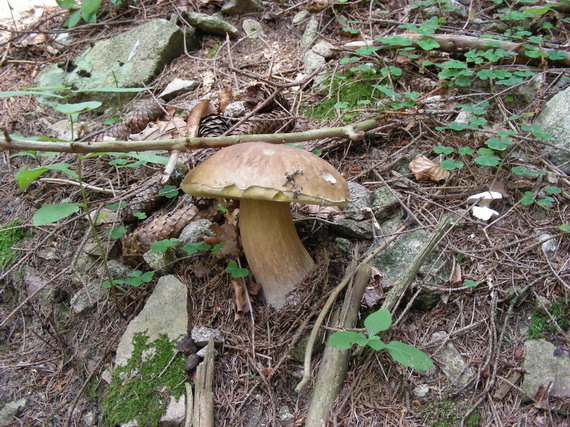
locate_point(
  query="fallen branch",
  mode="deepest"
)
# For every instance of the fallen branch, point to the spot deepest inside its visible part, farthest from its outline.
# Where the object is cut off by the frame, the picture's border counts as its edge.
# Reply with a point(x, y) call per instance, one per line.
point(8, 142)
point(460, 43)
point(203, 410)
point(334, 363)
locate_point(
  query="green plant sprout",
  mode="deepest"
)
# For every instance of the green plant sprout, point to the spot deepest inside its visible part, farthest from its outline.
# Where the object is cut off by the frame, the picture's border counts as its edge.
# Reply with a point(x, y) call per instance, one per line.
point(86, 11)
point(379, 321)
point(135, 279)
point(233, 270)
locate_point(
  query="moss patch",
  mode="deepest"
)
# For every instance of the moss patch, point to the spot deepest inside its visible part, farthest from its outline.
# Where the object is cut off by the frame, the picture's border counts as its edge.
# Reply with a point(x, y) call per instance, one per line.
point(449, 413)
point(541, 324)
point(9, 239)
point(352, 93)
point(140, 390)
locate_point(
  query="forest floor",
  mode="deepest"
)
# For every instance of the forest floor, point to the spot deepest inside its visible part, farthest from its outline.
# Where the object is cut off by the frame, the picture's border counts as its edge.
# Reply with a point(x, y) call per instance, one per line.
point(54, 358)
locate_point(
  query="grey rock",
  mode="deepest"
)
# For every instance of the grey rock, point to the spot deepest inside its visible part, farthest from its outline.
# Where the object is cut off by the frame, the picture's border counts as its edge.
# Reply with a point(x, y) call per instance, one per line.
point(554, 119)
point(252, 28)
point(359, 206)
point(549, 245)
point(175, 413)
point(546, 366)
point(300, 17)
point(130, 59)
point(202, 352)
point(542, 305)
point(178, 86)
point(312, 61)
point(324, 48)
point(11, 410)
point(353, 229)
point(87, 297)
point(62, 129)
point(239, 7)
point(160, 262)
point(165, 313)
point(384, 203)
point(310, 34)
point(451, 362)
point(211, 24)
point(117, 270)
point(193, 233)
point(201, 335)
point(284, 414)
point(394, 260)
point(421, 391)
point(192, 362)
point(235, 109)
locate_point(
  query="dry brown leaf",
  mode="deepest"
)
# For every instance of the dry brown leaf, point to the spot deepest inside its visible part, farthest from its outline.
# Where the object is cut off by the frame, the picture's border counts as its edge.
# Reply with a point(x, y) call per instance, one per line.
point(324, 212)
point(227, 234)
point(318, 5)
point(242, 306)
point(164, 129)
point(456, 275)
point(253, 288)
point(195, 116)
point(425, 169)
point(225, 96)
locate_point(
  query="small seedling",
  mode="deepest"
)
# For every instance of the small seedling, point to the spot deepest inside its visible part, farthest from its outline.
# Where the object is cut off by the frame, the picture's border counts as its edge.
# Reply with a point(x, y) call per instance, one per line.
point(192, 248)
point(136, 278)
point(379, 321)
point(235, 271)
point(163, 245)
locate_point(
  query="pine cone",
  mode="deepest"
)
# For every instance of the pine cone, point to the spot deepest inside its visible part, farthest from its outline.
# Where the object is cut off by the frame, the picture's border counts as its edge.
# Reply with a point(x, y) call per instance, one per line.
point(213, 125)
point(274, 121)
point(146, 200)
point(166, 226)
point(258, 93)
point(137, 120)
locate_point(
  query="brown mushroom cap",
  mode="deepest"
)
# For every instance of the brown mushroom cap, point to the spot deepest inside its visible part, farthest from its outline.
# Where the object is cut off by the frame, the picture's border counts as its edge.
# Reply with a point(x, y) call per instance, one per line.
point(262, 171)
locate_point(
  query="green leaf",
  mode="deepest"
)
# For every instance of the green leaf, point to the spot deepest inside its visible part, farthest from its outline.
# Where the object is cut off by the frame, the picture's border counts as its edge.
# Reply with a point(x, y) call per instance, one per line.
point(140, 215)
point(428, 44)
point(519, 170)
point(498, 143)
point(66, 4)
point(376, 343)
point(345, 339)
point(409, 356)
point(470, 283)
point(528, 199)
point(556, 55)
point(565, 228)
point(545, 202)
point(192, 248)
point(169, 191)
point(222, 208)
point(217, 247)
point(26, 176)
point(116, 232)
point(163, 245)
point(113, 89)
point(78, 108)
point(450, 164)
point(74, 18)
point(11, 93)
point(440, 149)
point(395, 41)
point(487, 160)
point(235, 271)
point(378, 321)
point(466, 151)
point(89, 10)
point(51, 213)
point(343, 105)
point(552, 189)
point(116, 206)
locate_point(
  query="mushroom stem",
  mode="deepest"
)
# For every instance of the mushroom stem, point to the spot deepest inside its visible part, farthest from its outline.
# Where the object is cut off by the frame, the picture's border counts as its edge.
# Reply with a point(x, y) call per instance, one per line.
point(274, 252)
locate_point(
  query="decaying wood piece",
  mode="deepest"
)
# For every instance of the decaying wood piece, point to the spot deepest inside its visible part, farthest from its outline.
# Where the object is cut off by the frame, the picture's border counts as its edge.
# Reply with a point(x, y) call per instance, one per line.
point(334, 363)
point(410, 273)
point(203, 410)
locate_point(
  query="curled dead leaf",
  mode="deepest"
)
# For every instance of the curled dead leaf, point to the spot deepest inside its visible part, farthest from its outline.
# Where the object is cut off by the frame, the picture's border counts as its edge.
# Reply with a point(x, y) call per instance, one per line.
point(242, 306)
point(425, 169)
point(324, 212)
point(456, 275)
point(225, 96)
point(226, 234)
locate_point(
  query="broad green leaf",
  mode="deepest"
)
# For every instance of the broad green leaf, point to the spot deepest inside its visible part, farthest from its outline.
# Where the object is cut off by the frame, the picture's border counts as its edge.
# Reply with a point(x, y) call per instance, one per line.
point(49, 213)
point(552, 189)
point(555, 55)
point(345, 339)
point(528, 199)
point(470, 283)
point(409, 356)
point(24, 93)
point(113, 89)
point(116, 206)
point(428, 44)
point(78, 108)
point(140, 215)
point(378, 321)
point(169, 191)
point(376, 343)
point(163, 245)
point(66, 4)
point(192, 248)
point(498, 143)
point(565, 228)
point(116, 232)
point(89, 10)
point(395, 41)
point(466, 151)
point(520, 170)
point(233, 270)
point(546, 202)
point(217, 248)
point(74, 18)
point(440, 149)
point(450, 164)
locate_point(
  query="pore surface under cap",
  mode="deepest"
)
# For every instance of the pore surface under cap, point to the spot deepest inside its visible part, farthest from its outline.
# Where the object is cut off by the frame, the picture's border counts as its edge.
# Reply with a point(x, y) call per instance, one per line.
point(262, 171)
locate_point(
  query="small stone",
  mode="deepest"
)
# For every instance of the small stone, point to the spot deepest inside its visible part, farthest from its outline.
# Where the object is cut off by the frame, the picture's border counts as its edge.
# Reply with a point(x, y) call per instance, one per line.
point(384, 203)
point(310, 34)
point(239, 7)
point(312, 61)
point(202, 352)
point(546, 367)
point(300, 17)
point(211, 24)
point(284, 414)
point(201, 335)
point(235, 109)
point(11, 410)
point(252, 28)
point(542, 305)
point(175, 412)
point(421, 391)
point(549, 245)
point(178, 86)
point(451, 362)
point(117, 270)
point(192, 362)
point(186, 346)
point(87, 297)
point(324, 48)
point(160, 262)
point(353, 229)
point(361, 202)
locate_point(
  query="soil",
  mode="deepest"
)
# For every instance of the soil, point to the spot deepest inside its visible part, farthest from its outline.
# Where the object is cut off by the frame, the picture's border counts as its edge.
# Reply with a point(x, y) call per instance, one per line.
point(54, 358)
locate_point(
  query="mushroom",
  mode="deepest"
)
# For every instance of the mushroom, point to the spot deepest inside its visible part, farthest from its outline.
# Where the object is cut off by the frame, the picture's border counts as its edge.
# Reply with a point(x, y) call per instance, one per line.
point(266, 178)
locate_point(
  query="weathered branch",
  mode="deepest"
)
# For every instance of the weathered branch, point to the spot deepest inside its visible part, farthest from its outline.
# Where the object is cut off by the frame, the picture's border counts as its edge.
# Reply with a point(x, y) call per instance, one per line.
point(459, 43)
point(203, 411)
point(184, 144)
point(334, 363)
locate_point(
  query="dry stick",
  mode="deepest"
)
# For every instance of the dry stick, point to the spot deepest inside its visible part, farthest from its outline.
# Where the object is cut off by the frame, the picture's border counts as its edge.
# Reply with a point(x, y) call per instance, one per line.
point(455, 43)
point(203, 411)
point(182, 144)
point(334, 363)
